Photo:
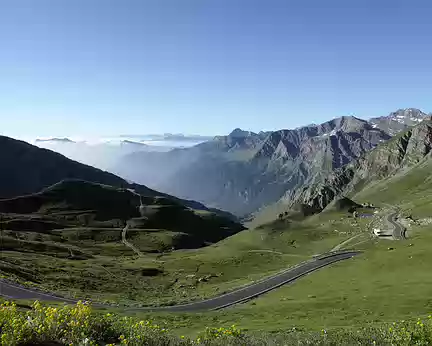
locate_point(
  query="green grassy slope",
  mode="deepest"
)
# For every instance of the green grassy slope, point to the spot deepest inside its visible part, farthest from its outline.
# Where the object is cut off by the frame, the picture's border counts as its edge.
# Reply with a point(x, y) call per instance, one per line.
point(68, 238)
point(389, 281)
point(377, 287)
point(410, 189)
point(93, 262)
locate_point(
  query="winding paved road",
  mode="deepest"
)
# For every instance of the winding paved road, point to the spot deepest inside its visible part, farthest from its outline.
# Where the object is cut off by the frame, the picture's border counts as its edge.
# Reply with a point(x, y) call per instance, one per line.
point(398, 229)
point(13, 291)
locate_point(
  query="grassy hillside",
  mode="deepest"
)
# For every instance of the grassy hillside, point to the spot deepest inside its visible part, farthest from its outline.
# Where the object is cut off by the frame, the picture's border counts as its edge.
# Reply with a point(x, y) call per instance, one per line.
point(380, 286)
point(71, 237)
point(92, 261)
point(410, 189)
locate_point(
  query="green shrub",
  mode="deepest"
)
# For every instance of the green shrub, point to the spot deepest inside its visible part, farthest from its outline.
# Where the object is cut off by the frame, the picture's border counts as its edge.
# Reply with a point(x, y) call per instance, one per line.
point(79, 325)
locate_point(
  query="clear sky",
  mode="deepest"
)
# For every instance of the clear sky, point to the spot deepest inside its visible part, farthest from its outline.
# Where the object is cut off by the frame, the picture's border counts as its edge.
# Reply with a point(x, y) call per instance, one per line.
point(102, 67)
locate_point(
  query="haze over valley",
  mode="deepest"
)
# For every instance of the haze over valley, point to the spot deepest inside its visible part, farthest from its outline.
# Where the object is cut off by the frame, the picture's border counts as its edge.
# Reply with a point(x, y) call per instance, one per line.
point(106, 152)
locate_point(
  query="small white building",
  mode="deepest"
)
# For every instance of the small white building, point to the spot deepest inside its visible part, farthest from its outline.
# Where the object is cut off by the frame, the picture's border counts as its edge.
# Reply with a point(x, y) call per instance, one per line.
point(377, 232)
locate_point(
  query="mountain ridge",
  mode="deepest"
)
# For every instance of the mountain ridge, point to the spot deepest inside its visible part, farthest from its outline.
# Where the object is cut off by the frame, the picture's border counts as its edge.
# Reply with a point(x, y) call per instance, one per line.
point(245, 171)
point(391, 158)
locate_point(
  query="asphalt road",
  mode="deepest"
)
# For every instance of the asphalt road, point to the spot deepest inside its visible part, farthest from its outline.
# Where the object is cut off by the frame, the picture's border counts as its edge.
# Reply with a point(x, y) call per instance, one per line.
point(13, 291)
point(398, 229)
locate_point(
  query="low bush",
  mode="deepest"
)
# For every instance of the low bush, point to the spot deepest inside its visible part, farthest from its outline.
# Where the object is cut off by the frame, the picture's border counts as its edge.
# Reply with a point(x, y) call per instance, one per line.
point(80, 326)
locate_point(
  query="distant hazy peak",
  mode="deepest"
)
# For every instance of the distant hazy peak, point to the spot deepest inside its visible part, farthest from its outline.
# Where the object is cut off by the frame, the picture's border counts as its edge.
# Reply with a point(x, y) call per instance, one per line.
point(55, 140)
point(126, 142)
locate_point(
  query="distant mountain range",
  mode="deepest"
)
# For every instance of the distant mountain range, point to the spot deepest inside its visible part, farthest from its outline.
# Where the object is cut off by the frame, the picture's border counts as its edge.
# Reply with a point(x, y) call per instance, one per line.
point(246, 171)
point(174, 137)
point(168, 140)
point(104, 153)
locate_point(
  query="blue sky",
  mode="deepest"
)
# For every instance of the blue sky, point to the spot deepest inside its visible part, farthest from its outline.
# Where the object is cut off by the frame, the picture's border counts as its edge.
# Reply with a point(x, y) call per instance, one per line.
point(102, 67)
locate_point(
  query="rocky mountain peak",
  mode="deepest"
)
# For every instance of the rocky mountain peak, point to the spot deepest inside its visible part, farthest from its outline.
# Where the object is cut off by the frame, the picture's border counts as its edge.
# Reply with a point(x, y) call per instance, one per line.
point(385, 160)
point(399, 120)
point(349, 123)
point(410, 114)
point(239, 133)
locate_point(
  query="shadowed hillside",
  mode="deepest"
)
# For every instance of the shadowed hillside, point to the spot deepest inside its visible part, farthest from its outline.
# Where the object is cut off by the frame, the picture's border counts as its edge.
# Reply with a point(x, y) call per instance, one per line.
point(76, 203)
point(27, 169)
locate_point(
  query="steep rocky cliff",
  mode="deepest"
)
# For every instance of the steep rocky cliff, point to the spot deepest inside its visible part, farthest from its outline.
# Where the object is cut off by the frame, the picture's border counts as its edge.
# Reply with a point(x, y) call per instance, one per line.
point(398, 154)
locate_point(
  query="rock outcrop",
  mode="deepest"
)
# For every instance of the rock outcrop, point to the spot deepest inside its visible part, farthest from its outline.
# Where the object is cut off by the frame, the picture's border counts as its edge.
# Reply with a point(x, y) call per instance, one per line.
point(401, 152)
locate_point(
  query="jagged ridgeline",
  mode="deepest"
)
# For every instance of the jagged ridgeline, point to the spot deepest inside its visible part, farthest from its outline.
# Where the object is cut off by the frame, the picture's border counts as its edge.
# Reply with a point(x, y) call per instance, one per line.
point(246, 171)
point(404, 157)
